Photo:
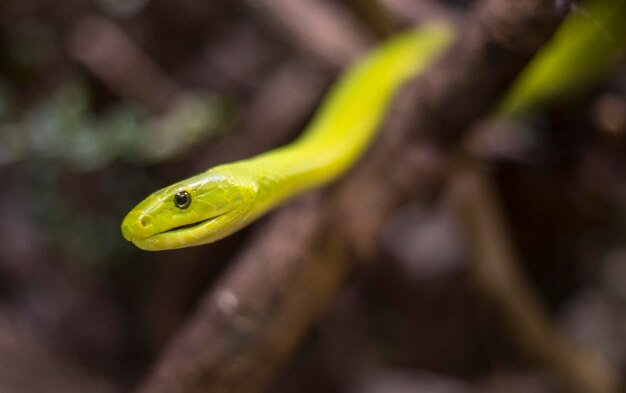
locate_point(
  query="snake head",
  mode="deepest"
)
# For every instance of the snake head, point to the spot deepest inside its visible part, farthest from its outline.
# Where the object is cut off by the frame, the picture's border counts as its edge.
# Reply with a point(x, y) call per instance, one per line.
point(201, 209)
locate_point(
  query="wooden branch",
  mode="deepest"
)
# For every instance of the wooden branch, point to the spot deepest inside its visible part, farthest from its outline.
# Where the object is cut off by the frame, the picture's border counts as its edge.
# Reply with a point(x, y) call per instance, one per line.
point(441, 106)
point(250, 324)
point(495, 272)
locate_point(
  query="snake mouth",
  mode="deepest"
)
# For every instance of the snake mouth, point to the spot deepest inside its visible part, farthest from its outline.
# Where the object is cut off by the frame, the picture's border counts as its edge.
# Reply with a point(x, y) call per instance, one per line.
point(196, 227)
point(199, 232)
point(189, 226)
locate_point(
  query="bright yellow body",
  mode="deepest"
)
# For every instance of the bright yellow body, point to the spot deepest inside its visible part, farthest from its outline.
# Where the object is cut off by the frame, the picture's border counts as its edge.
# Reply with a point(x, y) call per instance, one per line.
point(228, 197)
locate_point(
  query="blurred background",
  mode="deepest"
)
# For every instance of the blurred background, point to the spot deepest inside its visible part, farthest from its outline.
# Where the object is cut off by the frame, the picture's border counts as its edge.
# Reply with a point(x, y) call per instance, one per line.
point(104, 101)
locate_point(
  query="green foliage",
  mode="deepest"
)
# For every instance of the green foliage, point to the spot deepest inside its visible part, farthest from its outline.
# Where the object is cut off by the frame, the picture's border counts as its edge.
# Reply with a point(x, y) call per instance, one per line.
point(64, 128)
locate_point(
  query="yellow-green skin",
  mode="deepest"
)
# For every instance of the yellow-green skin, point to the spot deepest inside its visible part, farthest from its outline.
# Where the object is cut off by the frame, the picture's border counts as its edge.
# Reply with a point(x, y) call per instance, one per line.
point(228, 197)
point(587, 44)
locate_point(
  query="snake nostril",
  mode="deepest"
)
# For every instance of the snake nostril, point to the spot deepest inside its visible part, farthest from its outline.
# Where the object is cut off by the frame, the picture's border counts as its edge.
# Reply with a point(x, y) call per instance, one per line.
point(145, 221)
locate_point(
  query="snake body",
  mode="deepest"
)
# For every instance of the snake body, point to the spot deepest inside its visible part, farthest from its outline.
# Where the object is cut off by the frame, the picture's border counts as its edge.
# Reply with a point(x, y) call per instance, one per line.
point(225, 198)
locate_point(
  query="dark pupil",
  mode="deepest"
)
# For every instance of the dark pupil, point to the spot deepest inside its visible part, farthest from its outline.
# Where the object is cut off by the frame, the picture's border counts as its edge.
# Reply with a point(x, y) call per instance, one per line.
point(182, 200)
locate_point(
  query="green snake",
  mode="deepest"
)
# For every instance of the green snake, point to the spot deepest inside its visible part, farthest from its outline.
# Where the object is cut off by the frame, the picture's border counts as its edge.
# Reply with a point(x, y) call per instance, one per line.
point(214, 204)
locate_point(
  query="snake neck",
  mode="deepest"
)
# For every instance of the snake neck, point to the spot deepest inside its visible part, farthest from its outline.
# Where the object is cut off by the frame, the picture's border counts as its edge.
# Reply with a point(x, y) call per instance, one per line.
point(298, 168)
point(347, 121)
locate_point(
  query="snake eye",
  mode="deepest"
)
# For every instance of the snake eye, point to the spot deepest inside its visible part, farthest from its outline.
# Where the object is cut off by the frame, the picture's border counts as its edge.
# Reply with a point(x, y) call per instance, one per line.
point(182, 200)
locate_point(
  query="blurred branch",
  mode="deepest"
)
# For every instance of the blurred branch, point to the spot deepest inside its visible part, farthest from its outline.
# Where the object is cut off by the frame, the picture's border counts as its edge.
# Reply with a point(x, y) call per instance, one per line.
point(323, 30)
point(495, 272)
point(492, 47)
point(291, 272)
point(105, 50)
